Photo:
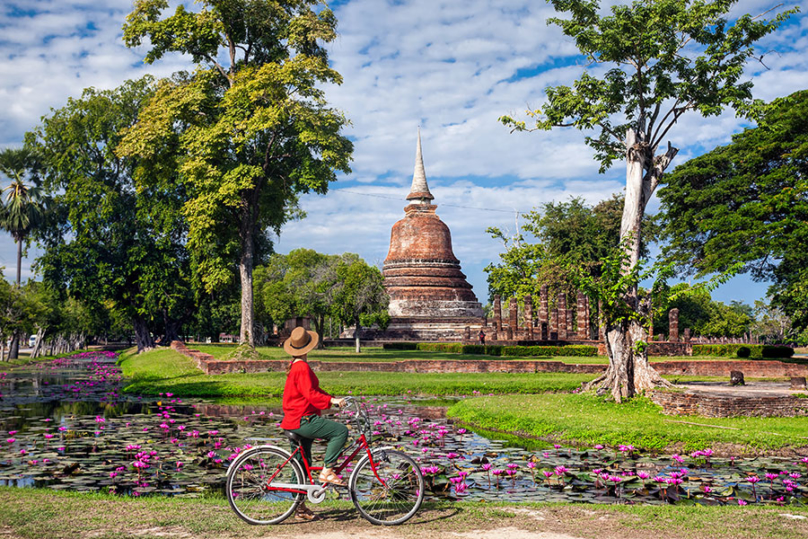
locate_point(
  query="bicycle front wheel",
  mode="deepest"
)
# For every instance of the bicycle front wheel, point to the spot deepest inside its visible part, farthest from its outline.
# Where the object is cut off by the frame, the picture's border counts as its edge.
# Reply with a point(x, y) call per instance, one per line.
point(392, 493)
point(248, 485)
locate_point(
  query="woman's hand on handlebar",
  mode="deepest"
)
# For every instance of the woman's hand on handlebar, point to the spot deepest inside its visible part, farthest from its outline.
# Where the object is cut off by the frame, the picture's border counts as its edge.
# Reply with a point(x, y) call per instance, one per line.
point(338, 402)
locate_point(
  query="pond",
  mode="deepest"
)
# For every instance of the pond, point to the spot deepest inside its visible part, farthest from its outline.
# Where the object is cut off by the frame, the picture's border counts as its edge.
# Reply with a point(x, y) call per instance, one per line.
point(67, 425)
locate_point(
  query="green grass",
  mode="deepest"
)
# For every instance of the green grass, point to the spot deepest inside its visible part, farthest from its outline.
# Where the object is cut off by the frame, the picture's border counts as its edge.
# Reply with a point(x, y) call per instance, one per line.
point(377, 354)
point(162, 371)
point(587, 420)
point(38, 513)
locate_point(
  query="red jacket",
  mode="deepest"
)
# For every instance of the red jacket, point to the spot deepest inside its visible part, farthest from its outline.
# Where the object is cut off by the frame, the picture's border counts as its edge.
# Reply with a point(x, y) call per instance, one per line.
point(302, 395)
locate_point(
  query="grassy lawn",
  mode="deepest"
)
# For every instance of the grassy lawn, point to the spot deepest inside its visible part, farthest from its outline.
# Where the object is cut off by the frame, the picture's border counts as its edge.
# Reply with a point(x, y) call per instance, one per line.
point(378, 354)
point(588, 420)
point(38, 513)
point(168, 371)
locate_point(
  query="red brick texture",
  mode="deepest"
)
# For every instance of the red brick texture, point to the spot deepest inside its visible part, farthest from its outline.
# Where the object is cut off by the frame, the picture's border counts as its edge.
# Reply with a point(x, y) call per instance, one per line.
point(729, 406)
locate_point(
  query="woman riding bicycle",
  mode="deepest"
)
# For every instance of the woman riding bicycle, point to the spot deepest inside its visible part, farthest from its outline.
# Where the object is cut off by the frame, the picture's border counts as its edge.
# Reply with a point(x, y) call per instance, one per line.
point(303, 401)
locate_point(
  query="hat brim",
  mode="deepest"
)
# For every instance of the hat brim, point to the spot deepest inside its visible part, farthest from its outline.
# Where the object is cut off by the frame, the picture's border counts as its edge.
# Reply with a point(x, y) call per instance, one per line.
point(292, 351)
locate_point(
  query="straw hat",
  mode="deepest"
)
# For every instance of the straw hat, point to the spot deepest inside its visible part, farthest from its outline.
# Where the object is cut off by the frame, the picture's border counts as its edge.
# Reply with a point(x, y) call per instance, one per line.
point(301, 342)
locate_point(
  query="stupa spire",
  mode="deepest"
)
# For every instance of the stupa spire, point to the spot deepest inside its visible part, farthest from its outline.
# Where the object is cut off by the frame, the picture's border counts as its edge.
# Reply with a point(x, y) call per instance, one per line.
point(419, 189)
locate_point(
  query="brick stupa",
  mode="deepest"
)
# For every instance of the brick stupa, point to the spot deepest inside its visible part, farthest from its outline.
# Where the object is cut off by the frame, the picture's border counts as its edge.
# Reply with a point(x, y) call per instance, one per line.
point(429, 295)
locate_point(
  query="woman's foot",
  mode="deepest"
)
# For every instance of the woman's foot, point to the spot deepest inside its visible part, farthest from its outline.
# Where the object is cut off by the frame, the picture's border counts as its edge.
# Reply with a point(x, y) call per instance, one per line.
point(304, 514)
point(328, 476)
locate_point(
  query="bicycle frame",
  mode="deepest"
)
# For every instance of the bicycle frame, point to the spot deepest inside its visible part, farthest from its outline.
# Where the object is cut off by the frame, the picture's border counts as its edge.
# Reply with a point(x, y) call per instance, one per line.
point(358, 445)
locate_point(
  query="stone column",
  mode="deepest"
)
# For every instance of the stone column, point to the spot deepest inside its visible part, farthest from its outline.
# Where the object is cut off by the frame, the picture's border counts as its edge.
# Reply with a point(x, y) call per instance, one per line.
point(562, 316)
point(583, 321)
point(543, 311)
point(651, 322)
point(687, 335)
point(673, 324)
point(513, 318)
point(554, 326)
point(497, 313)
point(588, 318)
point(529, 317)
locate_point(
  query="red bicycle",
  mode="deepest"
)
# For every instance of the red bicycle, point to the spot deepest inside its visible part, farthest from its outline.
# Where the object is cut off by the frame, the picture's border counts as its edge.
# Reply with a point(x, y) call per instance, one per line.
point(266, 483)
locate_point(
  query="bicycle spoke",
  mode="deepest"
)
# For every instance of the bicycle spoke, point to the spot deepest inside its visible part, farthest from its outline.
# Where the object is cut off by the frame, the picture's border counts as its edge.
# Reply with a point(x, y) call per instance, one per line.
point(394, 500)
point(248, 490)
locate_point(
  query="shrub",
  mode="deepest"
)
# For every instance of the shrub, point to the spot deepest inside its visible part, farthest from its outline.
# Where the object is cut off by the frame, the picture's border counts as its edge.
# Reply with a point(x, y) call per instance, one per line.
point(572, 350)
point(400, 346)
point(777, 351)
point(751, 351)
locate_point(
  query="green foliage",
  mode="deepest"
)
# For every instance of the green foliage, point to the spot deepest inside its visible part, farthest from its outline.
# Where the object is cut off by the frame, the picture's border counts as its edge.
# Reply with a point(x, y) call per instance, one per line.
point(563, 232)
point(666, 56)
point(699, 312)
point(777, 352)
point(251, 124)
point(108, 239)
point(539, 351)
point(752, 351)
point(361, 299)
point(400, 346)
point(745, 202)
point(302, 283)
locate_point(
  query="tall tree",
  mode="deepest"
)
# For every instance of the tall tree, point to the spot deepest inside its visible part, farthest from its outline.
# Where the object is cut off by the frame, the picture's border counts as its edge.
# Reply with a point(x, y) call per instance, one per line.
point(361, 299)
point(252, 122)
point(746, 202)
point(663, 59)
point(106, 239)
point(23, 206)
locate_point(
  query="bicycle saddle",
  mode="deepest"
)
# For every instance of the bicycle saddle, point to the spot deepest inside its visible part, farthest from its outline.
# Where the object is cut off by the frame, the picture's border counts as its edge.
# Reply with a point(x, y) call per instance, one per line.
point(294, 437)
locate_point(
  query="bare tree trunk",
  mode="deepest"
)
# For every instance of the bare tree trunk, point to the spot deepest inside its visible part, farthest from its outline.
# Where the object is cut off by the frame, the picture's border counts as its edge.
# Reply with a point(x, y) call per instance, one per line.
point(172, 333)
point(246, 273)
point(357, 331)
point(37, 349)
point(143, 337)
point(319, 324)
point(629, 371)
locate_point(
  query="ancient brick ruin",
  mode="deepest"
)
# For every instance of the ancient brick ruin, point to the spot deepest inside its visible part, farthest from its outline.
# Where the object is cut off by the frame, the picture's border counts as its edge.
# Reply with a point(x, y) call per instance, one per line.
point(430, 298)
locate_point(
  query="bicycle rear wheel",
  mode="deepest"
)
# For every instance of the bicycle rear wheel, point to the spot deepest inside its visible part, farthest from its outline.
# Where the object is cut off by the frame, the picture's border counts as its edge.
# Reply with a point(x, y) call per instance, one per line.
point(248, 490)
point(394, 499)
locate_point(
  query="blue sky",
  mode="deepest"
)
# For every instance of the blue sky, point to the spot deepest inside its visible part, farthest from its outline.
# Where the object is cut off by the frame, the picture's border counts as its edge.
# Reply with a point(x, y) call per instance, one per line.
point(452, 67)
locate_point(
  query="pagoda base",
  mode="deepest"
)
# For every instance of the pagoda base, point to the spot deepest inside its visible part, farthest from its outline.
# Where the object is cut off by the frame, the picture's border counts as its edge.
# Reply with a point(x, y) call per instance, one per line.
point(423, 329)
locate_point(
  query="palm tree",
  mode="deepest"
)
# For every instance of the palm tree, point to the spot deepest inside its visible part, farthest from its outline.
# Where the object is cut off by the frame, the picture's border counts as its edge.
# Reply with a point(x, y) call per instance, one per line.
point(22, 208)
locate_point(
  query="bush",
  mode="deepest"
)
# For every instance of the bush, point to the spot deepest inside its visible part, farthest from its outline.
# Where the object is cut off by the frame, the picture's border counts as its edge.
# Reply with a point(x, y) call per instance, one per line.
point(751, 351)
point(529, 351)
point(400, 346)
point(777, 351)
point(449, 348)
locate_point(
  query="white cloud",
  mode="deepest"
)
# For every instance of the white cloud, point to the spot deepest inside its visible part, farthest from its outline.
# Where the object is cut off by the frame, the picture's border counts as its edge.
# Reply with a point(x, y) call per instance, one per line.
point(451, 66)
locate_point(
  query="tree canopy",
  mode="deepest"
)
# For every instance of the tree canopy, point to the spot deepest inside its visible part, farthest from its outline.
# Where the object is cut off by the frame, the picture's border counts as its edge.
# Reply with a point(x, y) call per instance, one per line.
point(108, 239)
point(746, 202)
point(653, 61)
point(251, 122)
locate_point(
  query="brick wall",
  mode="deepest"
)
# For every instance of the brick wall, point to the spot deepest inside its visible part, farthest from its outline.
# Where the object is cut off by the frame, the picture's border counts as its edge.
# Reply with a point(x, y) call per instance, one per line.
point(728, 406)
point(751, 369)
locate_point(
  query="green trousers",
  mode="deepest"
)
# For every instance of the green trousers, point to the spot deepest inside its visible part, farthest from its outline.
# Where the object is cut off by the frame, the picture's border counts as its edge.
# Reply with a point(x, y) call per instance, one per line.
point(312, 427)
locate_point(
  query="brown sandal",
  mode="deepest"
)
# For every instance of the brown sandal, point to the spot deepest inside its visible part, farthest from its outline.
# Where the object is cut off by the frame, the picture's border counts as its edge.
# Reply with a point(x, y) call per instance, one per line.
point(331, 479)
point(304, 514)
